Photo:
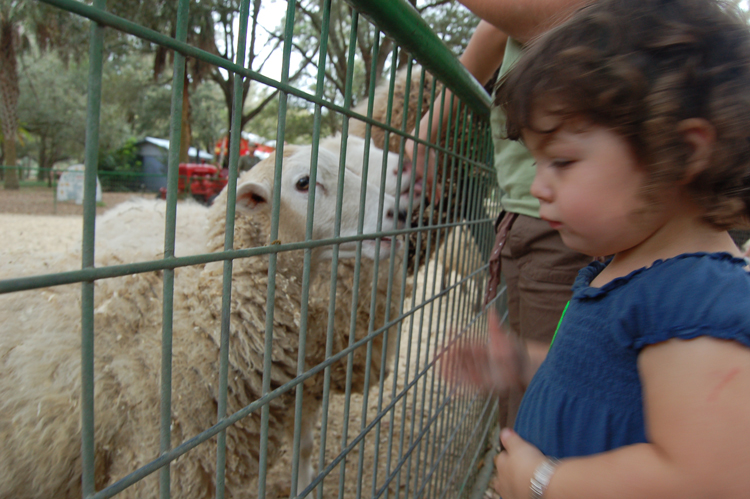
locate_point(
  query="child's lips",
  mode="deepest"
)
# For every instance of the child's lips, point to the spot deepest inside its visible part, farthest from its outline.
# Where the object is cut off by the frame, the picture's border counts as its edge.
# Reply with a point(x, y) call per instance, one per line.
point(552, 223)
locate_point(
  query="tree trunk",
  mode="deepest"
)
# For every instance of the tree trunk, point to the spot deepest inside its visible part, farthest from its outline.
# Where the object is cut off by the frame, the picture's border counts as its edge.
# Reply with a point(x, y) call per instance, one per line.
point(43, 172)
point(9, 101)
point(185, 130)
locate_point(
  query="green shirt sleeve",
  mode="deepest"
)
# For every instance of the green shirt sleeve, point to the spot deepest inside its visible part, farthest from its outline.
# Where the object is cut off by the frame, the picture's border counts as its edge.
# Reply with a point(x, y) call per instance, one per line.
point(514, 164)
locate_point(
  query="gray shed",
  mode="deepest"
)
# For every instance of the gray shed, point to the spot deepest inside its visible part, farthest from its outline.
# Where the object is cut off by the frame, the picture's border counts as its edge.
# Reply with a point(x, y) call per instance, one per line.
point(153, 153)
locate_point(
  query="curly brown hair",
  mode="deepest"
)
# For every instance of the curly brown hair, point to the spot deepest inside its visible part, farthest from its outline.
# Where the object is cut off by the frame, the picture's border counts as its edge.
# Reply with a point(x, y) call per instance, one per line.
point(640, 67)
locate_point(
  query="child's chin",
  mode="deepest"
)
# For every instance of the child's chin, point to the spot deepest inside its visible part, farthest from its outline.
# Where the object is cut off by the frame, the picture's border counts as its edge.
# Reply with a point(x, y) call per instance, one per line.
point(576, 244)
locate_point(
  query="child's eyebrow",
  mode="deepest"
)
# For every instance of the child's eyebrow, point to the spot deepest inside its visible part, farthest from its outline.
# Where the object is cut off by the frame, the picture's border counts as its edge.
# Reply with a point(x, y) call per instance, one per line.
point(544, 139)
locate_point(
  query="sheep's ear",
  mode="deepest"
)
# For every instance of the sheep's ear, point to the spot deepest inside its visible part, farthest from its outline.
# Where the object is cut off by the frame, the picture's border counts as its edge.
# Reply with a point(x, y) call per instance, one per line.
point(252, 196)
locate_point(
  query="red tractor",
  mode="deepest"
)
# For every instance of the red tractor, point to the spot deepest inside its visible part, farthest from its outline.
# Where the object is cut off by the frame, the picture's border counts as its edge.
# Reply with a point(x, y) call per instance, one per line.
point(202, 181)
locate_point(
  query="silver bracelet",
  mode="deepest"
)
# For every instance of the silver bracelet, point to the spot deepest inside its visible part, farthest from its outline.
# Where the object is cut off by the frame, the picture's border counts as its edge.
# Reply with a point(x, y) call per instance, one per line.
point(542, 475)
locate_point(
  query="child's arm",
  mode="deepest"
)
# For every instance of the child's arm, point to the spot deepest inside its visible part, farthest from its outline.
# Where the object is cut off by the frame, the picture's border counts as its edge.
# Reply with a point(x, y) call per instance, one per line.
point(495, 366)
point(697, 408)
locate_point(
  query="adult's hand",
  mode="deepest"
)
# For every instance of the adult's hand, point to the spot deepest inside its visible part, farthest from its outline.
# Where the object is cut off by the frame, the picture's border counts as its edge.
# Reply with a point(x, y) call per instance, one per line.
point(425, 164)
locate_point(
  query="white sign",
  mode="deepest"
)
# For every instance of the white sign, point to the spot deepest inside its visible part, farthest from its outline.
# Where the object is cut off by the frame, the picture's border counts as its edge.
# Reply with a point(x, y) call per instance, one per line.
point(70, 185)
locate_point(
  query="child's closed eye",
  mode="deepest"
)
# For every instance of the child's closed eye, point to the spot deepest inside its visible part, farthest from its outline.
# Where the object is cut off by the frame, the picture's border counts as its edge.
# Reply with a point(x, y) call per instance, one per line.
point(561, 163)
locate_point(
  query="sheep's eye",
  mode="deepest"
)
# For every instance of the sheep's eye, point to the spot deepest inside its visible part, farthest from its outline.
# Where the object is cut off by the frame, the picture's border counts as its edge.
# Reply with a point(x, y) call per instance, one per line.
point(303, 184)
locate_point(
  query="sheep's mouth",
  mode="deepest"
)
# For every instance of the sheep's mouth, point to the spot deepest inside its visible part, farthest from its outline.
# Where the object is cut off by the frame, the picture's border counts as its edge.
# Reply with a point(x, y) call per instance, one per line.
point(386, 243)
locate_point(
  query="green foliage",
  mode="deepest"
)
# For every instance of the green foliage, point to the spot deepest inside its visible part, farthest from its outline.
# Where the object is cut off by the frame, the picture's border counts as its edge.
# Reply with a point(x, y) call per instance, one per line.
point(299, 122)
point(52, 108)
point(120, 168)
point(452, 22)
point(136, 103)
point(208, 115)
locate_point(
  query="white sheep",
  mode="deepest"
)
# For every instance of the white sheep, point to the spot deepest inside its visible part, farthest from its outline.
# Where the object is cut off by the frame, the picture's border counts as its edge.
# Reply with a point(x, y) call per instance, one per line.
point(461, 257)
point(40, 351)
point(345, 281)
point(135, 229)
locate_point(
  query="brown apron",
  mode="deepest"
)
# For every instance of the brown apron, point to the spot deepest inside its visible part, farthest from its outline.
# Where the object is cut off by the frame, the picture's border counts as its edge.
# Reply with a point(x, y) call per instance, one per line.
point(502, 228)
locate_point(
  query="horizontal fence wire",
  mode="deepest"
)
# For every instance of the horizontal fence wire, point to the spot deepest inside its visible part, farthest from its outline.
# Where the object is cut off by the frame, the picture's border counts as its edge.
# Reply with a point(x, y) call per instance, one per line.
point(364, 407)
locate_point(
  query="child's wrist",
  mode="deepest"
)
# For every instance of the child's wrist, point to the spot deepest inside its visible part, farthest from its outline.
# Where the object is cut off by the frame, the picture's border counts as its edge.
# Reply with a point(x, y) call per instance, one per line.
point(541, 477)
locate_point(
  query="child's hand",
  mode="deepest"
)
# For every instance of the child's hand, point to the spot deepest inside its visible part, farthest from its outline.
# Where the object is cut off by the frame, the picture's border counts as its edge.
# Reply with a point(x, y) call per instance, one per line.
point(493, 367)
point(515, 466)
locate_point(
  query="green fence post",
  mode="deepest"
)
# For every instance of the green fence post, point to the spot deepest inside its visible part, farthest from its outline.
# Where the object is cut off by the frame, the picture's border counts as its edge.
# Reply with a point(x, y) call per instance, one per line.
point(272, 260)
point(226, 295)
point(87, 287)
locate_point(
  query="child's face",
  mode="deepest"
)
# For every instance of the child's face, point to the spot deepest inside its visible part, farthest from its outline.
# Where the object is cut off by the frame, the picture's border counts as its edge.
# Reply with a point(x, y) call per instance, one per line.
point(589, 184)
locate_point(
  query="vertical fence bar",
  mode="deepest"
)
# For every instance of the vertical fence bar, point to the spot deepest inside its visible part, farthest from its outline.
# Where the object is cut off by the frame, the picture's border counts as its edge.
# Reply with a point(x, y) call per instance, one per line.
point(368, 134)
point(403, 286)
point(389, 111)
point(429, 252)
point(449, 416)
point(433, 193)
point(415, 390)
point(273, 258)
point(436, 256)
point(175, 131)
point(334, 265)
point(307, 258)
point(226, 294)
point(96, 63)
point(445, 120)
point(358, 256)
point(462, 181)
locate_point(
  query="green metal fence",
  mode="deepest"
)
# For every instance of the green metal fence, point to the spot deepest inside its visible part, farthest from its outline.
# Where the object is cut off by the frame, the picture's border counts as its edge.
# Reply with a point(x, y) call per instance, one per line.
point(409, 433)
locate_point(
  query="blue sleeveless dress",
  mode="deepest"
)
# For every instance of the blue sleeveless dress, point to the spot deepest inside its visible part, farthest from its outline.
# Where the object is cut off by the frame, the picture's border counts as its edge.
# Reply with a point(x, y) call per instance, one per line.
point(586, 396)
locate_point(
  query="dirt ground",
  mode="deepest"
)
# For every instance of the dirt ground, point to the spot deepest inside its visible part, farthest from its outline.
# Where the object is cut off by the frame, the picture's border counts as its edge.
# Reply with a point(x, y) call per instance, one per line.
point(41, 201)
point(31, 222)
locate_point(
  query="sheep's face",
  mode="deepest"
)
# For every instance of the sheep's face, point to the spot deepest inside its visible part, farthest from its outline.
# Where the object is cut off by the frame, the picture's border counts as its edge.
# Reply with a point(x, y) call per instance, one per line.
point(378, 162)
point(255, 195)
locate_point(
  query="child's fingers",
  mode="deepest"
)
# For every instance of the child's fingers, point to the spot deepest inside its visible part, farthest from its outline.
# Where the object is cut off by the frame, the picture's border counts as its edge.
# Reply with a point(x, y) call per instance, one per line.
point(500, 483)
point(510, 439)
point(494, 324)
point(505, 350)
point(499, 341)
point(475, 365)
point(466, 364)
point(515, 465)
point(494, 366)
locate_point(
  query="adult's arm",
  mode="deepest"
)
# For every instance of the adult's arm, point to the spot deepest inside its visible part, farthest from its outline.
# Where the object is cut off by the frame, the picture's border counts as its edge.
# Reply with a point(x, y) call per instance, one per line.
point(524, 19)
point(482, 57)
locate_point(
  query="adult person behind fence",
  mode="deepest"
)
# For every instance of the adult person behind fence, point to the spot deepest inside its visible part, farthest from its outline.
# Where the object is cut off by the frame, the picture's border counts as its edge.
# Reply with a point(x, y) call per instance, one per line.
point(638, 115)
point(539, 269)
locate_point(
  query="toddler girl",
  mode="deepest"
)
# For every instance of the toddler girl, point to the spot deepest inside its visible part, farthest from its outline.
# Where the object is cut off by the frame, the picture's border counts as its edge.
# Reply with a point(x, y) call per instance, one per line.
point(638, 115)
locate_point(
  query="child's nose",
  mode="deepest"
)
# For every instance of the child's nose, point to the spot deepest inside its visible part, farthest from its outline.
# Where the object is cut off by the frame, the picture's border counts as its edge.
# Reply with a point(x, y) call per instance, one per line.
point(540, 188)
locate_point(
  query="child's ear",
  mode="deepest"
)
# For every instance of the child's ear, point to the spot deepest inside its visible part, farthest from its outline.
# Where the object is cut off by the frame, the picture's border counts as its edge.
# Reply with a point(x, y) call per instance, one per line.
point(700, 136)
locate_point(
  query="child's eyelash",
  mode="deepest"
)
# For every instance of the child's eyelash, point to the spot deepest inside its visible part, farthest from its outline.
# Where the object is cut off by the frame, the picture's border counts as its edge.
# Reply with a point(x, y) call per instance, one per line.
point(561, 163)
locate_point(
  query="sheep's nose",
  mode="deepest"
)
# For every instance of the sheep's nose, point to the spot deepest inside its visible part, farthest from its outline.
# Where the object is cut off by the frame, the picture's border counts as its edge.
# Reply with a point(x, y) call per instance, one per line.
point(406, 167)
point(401, 215)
